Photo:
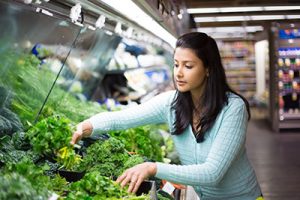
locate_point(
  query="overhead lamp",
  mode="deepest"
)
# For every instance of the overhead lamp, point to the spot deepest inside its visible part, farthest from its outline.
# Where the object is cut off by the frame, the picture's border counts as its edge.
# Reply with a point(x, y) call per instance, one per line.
point(230, 18)
point(232, 35)
point(274, 8)
point(205, 19)
point(210, 30)
point(244, 18)
point(267, 17)
point(293, 16)
point(134, 13)
point(240, 9)
point(202, 10)
point(221, 19)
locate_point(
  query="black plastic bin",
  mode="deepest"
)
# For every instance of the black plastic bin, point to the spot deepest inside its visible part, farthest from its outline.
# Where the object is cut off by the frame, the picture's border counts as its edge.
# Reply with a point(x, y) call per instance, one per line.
point(148, 187)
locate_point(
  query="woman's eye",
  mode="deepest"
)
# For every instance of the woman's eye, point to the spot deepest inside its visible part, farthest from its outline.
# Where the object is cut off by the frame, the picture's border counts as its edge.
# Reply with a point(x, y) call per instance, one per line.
point(175, 65)
point(189, 67)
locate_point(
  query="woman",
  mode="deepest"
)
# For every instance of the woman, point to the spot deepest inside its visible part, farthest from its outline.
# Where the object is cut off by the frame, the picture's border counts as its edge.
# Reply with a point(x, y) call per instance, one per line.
point(208, 123)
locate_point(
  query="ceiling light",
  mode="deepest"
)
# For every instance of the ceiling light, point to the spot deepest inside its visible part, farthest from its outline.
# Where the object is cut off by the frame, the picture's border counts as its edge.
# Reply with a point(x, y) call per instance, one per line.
point(240, 9)
point(235, 35)
point(273, 8)
point(244, 18)
point(266, 17)
point(293, 16)
point(210, 30)
point(203, 10)
point(205, 19)
point(230, 18)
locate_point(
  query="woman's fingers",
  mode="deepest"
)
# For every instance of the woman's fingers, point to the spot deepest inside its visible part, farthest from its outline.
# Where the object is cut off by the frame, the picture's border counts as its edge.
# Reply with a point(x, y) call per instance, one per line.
point(124, 178)
point(136, 175)
point(121, 178)
point(76, 137)
point(137, 185)
point(133, 182)
point(125, 181)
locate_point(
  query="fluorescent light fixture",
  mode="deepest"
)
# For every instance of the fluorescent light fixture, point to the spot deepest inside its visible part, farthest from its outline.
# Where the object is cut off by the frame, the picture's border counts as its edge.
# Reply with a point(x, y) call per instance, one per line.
point(221, 19)
point(293, 16)
point(273, 8)
point(203, 10)
point(229, 29)
point(134, 13)
point(237, 35)
point(230, 18)
point(240, 9)
point(205, 19)
point(244, 18)
point(231, 32)
point(267, 17)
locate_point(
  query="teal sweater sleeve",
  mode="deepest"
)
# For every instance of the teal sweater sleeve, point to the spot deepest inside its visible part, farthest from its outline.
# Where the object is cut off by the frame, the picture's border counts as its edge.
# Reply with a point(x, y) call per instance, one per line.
point(151, 112)
point(225, 146)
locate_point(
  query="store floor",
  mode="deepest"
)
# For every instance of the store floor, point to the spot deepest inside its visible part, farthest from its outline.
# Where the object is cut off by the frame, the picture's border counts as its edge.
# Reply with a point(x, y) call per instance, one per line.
point(276, 160)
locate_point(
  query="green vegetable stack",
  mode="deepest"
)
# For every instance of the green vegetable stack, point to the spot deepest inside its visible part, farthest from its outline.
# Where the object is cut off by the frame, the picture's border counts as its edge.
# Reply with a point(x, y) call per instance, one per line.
point(51, 137)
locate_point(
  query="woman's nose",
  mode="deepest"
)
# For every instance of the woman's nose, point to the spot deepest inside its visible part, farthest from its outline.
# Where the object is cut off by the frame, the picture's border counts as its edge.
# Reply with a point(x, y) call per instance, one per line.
point(178, 72)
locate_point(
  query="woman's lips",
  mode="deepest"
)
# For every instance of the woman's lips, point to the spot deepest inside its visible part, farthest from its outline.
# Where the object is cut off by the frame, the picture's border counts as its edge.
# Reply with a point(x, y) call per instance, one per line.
point(180, 83)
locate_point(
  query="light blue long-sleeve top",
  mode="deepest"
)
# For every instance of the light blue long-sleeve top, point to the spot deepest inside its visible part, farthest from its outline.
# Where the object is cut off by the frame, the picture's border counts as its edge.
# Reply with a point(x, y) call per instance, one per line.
point(217, 168)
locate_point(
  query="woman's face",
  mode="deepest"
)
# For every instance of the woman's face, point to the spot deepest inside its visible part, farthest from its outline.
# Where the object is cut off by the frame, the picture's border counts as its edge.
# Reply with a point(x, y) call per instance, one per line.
point(189, 71)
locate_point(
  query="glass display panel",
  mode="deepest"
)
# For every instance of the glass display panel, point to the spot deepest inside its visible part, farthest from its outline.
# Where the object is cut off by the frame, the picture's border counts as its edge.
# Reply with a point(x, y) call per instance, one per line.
point(27, 38)
point(82, 72)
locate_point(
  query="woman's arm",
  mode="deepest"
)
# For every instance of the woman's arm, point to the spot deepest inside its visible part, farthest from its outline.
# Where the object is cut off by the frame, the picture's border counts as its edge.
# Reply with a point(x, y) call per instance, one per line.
point(151, 112)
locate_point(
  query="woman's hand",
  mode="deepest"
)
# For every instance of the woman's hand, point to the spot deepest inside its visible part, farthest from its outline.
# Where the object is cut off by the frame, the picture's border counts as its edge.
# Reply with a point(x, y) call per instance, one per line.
point(136, 175)
point(83, 129)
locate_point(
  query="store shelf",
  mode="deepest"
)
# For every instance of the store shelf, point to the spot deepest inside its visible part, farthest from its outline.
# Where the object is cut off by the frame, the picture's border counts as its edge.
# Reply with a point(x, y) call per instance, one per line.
point(288, 116)
point(286, 96)
point(289, 124)
point(239, 63)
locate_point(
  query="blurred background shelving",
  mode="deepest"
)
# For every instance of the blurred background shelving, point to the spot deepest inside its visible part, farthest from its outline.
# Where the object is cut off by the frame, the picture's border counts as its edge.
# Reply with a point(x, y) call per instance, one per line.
point(239, 62)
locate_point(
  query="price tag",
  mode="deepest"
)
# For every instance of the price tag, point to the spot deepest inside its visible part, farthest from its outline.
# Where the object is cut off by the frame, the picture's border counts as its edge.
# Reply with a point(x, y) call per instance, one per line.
point(168, 188)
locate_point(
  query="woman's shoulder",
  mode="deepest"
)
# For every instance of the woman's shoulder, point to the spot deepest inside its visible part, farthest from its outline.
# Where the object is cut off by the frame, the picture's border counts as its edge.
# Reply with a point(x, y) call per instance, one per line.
point(166, 97)
point(234, 100)
point(167, 94)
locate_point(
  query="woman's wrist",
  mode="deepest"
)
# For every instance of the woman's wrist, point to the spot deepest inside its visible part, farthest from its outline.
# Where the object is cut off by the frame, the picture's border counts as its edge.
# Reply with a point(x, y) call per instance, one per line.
point(86, 128)
point(152, 168)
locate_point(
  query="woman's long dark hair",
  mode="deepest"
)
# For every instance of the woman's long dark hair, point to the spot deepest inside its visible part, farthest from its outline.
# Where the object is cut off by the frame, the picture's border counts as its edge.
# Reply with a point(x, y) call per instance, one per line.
point(214, 96)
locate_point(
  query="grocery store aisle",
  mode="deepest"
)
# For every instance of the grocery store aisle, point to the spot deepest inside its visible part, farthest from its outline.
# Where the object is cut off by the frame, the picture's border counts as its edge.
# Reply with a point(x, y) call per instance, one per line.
point(276, 160)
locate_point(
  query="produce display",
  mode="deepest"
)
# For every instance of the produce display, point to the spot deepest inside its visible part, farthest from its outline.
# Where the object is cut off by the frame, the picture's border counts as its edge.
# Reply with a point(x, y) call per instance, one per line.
point(35, 140)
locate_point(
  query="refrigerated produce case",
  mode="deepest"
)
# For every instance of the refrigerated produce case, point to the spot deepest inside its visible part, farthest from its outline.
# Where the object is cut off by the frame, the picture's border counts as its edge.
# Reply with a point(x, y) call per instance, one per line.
point(51, 68)
point(77, 57)
point(285, 76)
